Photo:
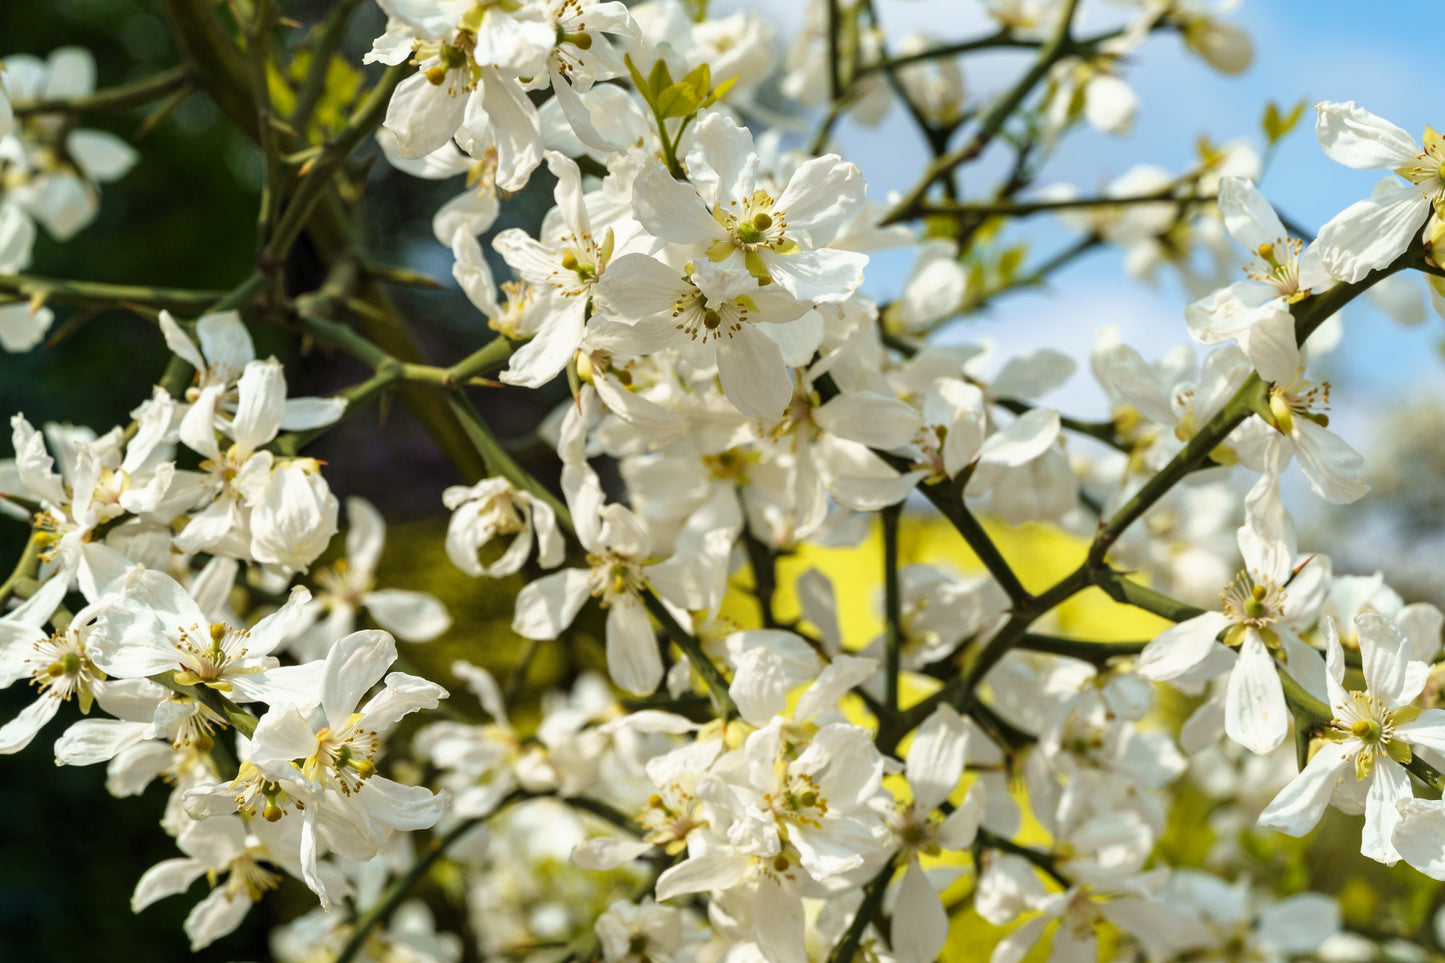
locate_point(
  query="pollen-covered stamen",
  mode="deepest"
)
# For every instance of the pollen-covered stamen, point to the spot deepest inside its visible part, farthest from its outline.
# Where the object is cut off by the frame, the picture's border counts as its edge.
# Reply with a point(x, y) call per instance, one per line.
point(1428, 171)
point(799, 802)
point(520, 298)
point(916, 832)
point(732, 465)
point(60, 668)
point(1365, 727)
point(340, 583)
point(1277, 264)
point(669, 816)
point(195, 724)
point(257, 795)
point(580, 262)
point(1253, 601)
point(249, 878)
point(1299, 400)
point(706, 320)
point(615, 576)
point(502, 510)
point(346, 756)
point(752, 223)
point(208, 654)
point(454, 67)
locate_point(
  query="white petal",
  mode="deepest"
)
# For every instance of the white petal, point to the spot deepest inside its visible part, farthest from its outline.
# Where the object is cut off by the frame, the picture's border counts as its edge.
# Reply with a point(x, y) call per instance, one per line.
point(936, 758)
point(1029, 436)
point(216, 916)
point(1389, 786)
point(1247, 215)
point(1353, 136)
point(822, 192)
point(401, 807)
point(1255, 714)
point(19, 731)
point(632, 656)
point(354, 664)
point(920, 926)
point(869, 419)
point(1419, 836)
point(304, 414)
point(166, 878)
point(1334, 470)
point(603, 853)
point(225, 341)
point(547, 606)
point(1384, 656)
point(543, 358)
point(423, 116)
point(824, 276)
point(1180, 648)
point(410, 616)
point(753, 375)
point(671, 209)
point(1370, 234)
point(403, 695)
point(261, 403)
point(1299, 805)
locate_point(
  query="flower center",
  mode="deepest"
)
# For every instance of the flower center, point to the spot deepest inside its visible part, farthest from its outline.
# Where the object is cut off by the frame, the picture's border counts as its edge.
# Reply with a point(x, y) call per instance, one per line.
point(1256, 603)
point(347, 756)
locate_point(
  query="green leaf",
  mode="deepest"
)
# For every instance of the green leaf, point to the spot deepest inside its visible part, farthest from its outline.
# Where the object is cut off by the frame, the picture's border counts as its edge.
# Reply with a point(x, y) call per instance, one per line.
point(680, 100)
point(660, 78)
point(717, 92)
point(1009, 261)
point(640, 82)
point(1277, 125)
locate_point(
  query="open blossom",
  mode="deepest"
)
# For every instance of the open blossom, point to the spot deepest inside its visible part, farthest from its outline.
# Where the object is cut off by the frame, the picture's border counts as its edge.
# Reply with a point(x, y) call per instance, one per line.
point(568, 261)
point(1263, 609)
point(348, 586)
point(1369, 234)
point(1280, 272)
point(326, 770)
point(1368, 740)
point(735, 220)
point(714, 315)
point(934, 767)
point(152, 625)
point(220, 359)
point(495, 507)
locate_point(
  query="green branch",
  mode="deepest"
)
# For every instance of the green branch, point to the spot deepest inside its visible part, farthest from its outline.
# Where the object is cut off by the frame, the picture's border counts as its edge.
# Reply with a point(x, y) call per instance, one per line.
point(110, 99)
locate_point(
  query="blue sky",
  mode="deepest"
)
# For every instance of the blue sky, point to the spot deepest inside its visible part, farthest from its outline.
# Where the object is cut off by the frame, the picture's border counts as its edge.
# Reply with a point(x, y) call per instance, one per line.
point(1303, 51)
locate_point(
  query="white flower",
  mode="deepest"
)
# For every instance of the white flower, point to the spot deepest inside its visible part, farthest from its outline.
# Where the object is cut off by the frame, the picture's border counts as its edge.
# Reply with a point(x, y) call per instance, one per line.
point(1369, 234)
point(329, 770)
point(224, 353)
point(349, 585)
point(493, 507)
point(723, 207)
point(713, 314)
point(1370, 738)
point(1256, 312)
point(153, 625)
point(934, 767)
point(569, 260)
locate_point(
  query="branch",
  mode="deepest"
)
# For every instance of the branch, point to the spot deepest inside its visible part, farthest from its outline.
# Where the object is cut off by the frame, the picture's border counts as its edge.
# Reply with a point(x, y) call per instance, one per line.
point(111, 99)
point(1096, 653)
point(369, 115)
point(847, 947)
point(1058, 46)
point(1022, 208)
point(892, 607)
point(100, 294)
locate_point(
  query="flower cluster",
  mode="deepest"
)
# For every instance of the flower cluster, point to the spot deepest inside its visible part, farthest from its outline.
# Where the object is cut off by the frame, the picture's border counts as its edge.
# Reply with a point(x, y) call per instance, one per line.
point(768, 781)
